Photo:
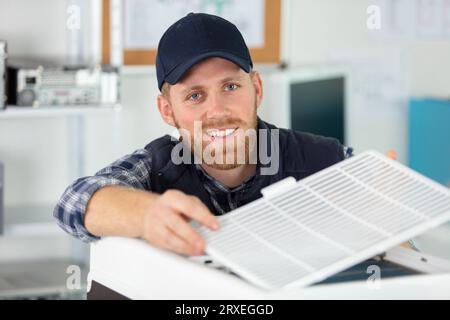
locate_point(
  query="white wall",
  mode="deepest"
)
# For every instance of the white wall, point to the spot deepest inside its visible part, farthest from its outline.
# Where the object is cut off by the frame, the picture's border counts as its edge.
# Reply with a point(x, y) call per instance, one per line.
point(36, 152)
point(34, 27)
point(140, 123)
point(318, 26)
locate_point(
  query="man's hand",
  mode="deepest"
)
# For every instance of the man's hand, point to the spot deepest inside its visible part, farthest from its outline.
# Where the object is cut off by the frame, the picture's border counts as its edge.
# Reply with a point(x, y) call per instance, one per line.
point(166, 222)
point(392, 154)
point(161, 219)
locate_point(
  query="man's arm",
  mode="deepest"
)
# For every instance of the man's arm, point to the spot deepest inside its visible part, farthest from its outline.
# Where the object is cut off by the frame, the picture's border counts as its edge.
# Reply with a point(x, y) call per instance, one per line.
point(117, 202)
point(162, 220)
point(117, 211)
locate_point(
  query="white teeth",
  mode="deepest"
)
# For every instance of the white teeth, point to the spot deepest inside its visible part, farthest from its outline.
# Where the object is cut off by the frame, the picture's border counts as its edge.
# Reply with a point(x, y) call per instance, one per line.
point(220, 133)
point(229, 131)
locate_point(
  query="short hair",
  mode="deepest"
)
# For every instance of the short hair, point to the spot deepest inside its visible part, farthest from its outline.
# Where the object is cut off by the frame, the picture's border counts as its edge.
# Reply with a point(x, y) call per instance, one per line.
point(165, 90)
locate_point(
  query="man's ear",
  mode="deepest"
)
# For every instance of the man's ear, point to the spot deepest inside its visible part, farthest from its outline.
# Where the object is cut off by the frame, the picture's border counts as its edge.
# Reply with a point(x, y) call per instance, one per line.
point(165, 109)
point(257, 83)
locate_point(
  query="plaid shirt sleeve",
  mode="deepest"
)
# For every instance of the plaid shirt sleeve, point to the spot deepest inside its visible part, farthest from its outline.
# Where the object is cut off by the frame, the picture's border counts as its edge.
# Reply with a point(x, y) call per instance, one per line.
point(131, 171)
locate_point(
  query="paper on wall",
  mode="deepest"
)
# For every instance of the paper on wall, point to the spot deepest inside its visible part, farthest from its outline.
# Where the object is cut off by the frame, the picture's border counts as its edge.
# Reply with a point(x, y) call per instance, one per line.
point(146, 20)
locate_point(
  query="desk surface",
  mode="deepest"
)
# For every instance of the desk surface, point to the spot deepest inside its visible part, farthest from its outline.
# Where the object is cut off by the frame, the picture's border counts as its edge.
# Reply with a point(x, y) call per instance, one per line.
point(139, 271)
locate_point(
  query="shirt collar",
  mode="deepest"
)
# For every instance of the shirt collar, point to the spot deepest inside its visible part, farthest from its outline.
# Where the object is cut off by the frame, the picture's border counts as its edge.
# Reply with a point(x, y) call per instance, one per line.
point(218, 185)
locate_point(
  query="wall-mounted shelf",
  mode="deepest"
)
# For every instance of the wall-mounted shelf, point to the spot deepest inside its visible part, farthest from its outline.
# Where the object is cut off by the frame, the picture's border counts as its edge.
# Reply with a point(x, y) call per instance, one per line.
point(31, 232)
point(14, 112)
point(39, 279)
point(31, 221)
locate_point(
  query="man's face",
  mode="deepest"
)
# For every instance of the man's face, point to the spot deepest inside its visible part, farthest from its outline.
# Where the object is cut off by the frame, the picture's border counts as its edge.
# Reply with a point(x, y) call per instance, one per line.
point(216, 103)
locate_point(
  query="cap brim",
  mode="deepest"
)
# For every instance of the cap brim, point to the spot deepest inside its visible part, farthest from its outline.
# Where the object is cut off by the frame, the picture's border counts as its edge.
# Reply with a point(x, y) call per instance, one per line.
point(176, 74)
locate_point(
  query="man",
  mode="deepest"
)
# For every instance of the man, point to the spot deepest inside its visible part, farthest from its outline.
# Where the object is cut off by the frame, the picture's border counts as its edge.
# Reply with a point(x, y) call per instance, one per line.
point(210, 93)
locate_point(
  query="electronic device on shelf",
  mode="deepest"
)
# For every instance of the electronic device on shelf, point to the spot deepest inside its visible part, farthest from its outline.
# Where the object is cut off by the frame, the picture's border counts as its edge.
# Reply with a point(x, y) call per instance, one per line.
point(57, 83)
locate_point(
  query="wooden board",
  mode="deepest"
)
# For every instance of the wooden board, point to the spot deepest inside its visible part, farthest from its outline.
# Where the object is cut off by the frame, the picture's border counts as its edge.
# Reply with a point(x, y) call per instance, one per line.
point(269, 53)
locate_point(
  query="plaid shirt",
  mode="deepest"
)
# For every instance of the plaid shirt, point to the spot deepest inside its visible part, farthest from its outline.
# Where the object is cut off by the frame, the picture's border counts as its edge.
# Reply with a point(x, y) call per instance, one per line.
point(133, 171)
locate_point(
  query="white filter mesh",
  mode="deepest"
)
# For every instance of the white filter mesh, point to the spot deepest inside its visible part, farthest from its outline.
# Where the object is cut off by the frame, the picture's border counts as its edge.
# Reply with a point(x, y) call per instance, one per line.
point(302, 232)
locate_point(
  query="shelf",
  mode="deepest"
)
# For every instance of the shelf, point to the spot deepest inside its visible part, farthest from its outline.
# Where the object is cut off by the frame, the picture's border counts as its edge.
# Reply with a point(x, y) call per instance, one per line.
point(30, 221)
point(14, 112)
point(32, 233)
point(44, 278)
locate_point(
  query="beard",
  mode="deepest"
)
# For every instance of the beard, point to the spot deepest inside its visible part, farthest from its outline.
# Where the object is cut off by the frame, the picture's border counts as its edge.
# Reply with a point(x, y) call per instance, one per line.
point(218, 154)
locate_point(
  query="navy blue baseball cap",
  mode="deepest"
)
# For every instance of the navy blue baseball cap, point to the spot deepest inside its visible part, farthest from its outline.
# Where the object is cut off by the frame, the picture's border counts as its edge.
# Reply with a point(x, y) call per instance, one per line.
point(194, 38)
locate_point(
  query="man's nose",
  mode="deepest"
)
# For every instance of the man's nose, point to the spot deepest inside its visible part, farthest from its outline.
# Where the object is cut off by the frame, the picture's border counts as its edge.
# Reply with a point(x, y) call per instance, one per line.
point(217, 107)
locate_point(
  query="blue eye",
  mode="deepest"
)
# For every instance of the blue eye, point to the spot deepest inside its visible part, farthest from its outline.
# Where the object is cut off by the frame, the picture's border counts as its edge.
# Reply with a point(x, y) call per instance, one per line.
point(231, 87)
point(194, 96)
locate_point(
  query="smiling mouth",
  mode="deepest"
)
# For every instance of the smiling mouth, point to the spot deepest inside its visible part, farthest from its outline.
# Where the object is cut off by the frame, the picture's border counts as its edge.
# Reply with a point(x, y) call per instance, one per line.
point(220, 133)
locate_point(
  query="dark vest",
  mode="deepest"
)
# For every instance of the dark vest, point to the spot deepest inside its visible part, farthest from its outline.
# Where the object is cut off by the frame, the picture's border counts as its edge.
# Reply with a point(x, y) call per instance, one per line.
point(300, 155)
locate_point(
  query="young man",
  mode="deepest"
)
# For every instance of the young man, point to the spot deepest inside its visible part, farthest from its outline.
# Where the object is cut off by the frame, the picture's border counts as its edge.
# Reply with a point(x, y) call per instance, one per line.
point(211, 95)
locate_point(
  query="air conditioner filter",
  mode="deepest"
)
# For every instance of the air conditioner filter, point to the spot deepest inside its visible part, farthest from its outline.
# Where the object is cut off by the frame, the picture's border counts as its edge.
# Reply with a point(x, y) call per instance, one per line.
point(302, 232)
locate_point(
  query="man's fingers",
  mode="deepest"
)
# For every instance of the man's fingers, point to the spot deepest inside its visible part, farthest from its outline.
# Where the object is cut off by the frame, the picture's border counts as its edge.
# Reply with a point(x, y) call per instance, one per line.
point(200, 212)
point(172, 242)
point(183, 229)
point(192, 207)
point(392, 154)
